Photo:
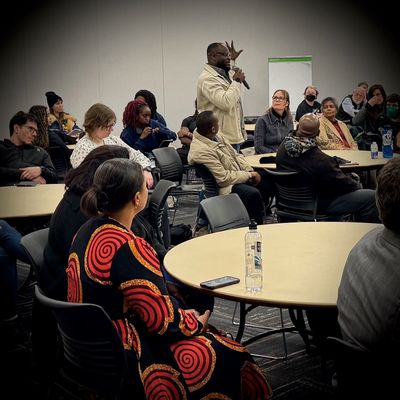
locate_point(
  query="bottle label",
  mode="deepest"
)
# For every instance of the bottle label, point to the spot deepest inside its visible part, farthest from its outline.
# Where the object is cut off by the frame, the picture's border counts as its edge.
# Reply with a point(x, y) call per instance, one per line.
point(387, 143)
point(257, 256)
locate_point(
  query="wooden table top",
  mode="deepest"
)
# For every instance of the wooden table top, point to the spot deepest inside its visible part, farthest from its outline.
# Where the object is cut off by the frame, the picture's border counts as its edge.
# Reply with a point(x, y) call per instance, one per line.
point(302, 262)
point(360, 159)
point(33, 201)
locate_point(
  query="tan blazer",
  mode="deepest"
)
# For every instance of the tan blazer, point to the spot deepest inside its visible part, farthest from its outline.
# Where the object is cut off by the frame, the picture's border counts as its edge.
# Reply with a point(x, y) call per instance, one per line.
point(330, 139)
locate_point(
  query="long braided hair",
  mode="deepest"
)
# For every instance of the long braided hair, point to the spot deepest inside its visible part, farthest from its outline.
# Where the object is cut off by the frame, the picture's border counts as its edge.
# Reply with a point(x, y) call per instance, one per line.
point(42, 138)
point(131, 112)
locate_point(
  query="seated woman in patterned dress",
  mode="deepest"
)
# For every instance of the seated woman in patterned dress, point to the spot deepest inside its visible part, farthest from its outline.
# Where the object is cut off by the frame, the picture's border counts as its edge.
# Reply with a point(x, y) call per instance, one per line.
point(176, 354)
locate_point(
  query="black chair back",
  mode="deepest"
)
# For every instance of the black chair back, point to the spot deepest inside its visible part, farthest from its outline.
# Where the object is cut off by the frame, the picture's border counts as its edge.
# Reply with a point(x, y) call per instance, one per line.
point(169, 164)
point(93, 353)
point(211, 187)
point(34, 244)
point(156, 206)
point(296, 198)
point(225, 212)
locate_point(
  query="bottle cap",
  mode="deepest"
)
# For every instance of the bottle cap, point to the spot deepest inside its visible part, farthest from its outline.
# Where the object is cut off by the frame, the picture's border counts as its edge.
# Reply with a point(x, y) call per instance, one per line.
point(252, 224)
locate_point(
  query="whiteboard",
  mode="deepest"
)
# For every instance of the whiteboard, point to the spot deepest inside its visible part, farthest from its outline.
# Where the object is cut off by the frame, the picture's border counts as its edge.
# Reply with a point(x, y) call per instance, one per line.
point(292, 74)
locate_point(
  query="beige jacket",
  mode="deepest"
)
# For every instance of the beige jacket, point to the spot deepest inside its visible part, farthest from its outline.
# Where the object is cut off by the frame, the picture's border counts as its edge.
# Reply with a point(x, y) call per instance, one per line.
point(227, 166)
point(214, 93)
point(330, 139)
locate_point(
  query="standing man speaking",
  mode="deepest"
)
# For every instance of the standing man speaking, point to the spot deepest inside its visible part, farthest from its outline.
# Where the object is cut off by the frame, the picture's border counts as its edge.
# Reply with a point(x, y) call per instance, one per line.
point(219, 90)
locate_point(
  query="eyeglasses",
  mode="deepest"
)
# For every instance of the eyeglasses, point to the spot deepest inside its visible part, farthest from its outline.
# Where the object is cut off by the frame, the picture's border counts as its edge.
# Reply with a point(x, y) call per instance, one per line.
point(278, 98)
point(394, 105)
point(31, 129)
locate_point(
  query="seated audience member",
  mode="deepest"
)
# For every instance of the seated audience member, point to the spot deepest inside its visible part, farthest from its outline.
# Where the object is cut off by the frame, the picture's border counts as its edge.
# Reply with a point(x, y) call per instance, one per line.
point(52, 277)
point(351, 105)
point(46, 138)
point(99, 123)
point(132, 290)
point(10, 251)
point(337, 192)
point(230, 169)
point(309, 104)
point(333, 134)
point(369, 296)
point(61, 122)
point(140, 131)
point(185, 134)
point(370, 116)
point(391, 119)
point(147, 97)
point(20, 160)
point(272, 127)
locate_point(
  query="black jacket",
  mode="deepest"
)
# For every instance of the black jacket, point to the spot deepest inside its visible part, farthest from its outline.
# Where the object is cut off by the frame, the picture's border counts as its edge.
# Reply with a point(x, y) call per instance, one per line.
point(13, 157)
point(324, 171)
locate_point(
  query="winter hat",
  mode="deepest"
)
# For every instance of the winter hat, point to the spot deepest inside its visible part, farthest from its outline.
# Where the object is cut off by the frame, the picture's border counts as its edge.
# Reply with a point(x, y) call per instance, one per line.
point(308, 126)
point(52, 98)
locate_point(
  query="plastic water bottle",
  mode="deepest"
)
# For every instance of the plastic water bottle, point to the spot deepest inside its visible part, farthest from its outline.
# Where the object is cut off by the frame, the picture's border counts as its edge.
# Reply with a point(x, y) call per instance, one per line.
point(387, 143)
point(253, 248)
point(374, 150)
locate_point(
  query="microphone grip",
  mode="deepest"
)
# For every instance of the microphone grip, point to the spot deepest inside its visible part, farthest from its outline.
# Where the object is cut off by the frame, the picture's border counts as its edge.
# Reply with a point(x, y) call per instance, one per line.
point(246, 85)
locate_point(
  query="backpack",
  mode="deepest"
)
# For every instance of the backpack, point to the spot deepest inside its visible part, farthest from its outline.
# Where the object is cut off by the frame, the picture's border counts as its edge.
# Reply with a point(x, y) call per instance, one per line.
point(180, 233)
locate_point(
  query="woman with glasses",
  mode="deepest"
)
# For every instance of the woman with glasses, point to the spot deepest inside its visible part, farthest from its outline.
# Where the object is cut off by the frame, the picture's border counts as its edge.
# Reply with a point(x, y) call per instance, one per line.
point(272, 127)
point(99, 123)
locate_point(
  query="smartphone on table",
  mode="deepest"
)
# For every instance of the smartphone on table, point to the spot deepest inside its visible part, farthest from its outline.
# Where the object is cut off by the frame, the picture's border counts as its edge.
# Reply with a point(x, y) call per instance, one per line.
point(219, 282)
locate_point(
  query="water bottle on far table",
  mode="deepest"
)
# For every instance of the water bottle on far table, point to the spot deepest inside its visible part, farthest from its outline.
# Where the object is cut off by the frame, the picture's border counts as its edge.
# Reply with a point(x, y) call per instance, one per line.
point(253, 258)
point(387, 143)
point(374, 150)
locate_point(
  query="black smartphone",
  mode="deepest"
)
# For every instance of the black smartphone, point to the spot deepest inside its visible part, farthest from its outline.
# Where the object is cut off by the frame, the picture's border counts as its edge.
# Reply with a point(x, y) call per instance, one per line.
point(25, 183)
point(219, 282)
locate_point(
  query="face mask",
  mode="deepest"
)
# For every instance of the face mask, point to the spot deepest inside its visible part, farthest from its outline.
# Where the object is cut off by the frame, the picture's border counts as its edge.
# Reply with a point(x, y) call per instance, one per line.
point(392, 112)
point(311, 97)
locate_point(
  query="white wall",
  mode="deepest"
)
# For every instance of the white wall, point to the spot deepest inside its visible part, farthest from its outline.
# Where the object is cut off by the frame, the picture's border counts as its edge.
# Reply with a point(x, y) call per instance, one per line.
point(104, 51)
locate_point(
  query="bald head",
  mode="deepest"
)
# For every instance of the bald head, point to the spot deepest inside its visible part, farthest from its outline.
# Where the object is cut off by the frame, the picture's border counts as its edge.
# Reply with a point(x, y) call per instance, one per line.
point(308, 126)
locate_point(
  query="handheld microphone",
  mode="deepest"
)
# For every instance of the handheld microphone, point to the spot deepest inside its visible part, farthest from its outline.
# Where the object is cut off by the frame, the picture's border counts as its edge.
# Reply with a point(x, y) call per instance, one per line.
point(246, 85)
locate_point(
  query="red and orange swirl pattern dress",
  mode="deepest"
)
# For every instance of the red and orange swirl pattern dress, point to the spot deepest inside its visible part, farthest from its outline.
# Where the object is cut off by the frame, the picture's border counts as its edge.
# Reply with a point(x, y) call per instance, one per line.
point(110, 266)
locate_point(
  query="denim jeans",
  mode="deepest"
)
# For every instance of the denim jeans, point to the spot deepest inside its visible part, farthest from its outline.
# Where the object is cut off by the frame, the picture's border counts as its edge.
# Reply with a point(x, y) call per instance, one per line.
point(10, 251)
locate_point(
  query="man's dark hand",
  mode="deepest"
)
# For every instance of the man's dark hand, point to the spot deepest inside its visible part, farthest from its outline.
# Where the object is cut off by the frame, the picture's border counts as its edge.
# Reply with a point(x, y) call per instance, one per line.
point(234, 54)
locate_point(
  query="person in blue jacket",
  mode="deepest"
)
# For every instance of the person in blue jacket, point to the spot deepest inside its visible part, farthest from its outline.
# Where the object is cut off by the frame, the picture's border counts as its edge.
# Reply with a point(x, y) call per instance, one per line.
point(140, 131)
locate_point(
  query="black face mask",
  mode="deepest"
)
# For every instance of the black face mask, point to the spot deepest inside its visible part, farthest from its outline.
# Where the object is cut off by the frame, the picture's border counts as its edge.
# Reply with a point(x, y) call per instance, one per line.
point(311, 97)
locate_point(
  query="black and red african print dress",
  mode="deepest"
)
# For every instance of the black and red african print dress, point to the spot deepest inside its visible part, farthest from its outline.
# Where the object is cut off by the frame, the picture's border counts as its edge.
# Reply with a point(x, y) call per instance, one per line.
point(111, 267)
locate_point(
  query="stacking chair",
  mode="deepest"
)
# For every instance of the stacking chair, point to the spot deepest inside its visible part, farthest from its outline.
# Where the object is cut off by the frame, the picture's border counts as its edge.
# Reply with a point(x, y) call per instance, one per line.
point(296, 198)
point(211, 187)
point(156, 207)
point(34, 244)
point(225, 212)
point(170, 166)
point(93, 354)
point(60, 162)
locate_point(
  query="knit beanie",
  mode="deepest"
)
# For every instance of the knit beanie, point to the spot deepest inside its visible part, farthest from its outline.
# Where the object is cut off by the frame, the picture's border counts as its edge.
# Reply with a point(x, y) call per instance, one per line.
point(52, 98)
